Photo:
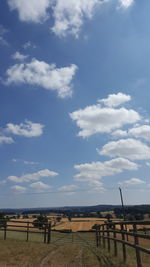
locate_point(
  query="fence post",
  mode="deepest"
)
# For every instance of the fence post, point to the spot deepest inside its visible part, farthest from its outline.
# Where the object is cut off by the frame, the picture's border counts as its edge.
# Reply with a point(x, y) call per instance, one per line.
point(5, 229)
point(27, 231)
point(103, 227)
point(49, 233)
point(115, 242)
point(136, 242)
point(108, 240)
point(99, 236)
point(45, 234)
point(123, 245)
point(96, 237)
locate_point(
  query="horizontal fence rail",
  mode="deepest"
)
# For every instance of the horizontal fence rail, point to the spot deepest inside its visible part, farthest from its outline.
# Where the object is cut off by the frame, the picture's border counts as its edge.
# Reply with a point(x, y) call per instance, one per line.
point(27, 227)
point(127, 233)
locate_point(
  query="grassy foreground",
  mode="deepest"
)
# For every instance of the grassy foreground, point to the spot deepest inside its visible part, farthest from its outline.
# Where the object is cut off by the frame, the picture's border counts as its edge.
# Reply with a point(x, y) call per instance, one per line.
point(19, 253)
point(73, 250)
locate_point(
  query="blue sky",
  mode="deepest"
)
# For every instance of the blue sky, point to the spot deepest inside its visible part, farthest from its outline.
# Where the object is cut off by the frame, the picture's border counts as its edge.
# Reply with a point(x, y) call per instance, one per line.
point(75, 114)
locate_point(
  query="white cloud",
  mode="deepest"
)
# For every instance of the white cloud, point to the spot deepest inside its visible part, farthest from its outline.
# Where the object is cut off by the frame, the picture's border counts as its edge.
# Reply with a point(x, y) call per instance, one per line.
point(2, 33)
point(97, 170)
point(96, 186)
point(40, 73)
point(6, 140)
point(69, 15)
point(114, 100)
point(128, 148)
point(119, 133)
point(141, 132)
point(68, 188)
point(40, 186)
point(19, 56)
point(27, 129)
point(26, 162)
point(125, 3)
point(148, 164)
point(133, 181)
point(32, 176)
point(95, 119)
point(18, 188)
point(31, 10)
point(28, 45)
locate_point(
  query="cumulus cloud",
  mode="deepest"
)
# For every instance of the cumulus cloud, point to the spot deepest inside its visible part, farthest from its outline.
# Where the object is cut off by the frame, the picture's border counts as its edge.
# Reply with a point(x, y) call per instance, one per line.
point(40, 73)
point(31, 10)
point(141, 132)
point(97, 170)
point(125, 3)
point(119, 133)
point(19, 56)
point(68, 16)
point(18, 188)
point(6, 140)
point(127, 148)
point(40, 186)
point(95, 119)
point(32, 176)
point(114, 100)
point(27, 129)
point(133, 181)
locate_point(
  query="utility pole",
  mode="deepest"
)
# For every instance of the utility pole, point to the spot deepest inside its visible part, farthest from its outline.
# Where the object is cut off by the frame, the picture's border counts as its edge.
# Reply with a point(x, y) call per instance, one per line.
point(123, 209)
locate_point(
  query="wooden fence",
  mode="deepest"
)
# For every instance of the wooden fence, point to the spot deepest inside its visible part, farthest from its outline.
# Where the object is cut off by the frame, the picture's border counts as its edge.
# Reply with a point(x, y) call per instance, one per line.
point(26, 227)
point(128, 234)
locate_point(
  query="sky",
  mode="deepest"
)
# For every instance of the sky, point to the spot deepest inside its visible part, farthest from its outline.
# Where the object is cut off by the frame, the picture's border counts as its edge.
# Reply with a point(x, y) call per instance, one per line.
point(74, 102)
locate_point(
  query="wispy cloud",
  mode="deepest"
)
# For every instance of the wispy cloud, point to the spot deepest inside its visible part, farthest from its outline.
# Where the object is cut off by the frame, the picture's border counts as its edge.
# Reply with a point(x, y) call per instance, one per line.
point(33, 176)
point(132, 181)
point(3, 31)
point(18, 189)
point(6, 140)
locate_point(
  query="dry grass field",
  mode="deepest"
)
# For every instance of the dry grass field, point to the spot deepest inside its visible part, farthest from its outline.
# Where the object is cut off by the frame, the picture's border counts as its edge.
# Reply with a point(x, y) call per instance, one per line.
point(78, 224)
point(18, 254)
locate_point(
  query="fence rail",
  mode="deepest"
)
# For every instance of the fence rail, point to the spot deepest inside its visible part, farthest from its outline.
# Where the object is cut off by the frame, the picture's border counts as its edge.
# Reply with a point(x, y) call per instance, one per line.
point(126, 233)
point(28, 228)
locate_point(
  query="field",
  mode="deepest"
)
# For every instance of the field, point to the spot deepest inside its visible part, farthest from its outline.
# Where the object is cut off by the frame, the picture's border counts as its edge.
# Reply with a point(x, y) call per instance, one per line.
point(35, 254)
point(66, 249)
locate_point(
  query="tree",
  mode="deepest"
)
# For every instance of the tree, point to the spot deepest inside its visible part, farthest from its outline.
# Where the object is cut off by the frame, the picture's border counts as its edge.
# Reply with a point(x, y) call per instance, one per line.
point(58, 218)
point(3, 220)
point(108, 216)
point(40, 222)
